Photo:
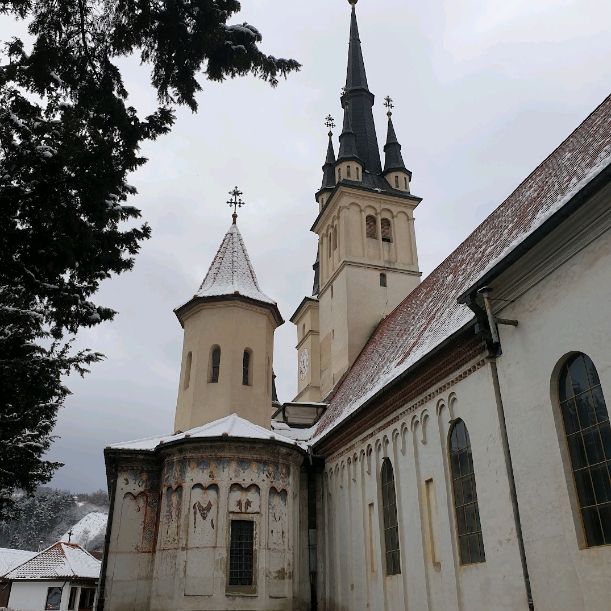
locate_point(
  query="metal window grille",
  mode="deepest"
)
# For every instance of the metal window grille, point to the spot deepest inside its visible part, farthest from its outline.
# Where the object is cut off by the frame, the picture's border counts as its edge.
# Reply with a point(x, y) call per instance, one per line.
point(371, 228)
point(241, 553)
point(246, 368)
point(391, 525)
point(386, 230)
point(588, 436)
point(216, 365)
point(470, 540)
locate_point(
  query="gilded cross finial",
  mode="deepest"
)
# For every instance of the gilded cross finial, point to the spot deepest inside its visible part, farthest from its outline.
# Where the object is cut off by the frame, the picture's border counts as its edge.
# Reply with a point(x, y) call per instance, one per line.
point(235, 202)
point(330, 123)
point(388, 103)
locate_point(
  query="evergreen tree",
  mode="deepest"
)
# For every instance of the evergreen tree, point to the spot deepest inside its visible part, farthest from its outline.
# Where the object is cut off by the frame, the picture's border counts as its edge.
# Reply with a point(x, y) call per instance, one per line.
point(68, 141)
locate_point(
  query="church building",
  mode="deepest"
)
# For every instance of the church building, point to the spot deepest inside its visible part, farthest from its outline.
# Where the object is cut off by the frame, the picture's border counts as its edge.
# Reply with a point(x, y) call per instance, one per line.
point(449, 445)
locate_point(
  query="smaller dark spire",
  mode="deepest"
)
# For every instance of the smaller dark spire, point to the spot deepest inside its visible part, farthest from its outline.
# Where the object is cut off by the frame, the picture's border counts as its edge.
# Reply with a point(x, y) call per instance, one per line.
point(316, 268)
point(347, 141)
point(392, 148)
point(328, 169)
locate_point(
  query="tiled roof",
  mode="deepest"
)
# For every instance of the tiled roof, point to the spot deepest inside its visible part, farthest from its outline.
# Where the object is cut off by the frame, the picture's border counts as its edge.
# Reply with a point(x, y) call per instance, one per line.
point(10, 558)
point(430, 313)
point(231, 271)
point(60, 561)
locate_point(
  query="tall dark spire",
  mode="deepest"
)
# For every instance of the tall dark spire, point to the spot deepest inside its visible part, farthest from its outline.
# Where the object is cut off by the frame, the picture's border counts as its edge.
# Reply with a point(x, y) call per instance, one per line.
point(392, 149)
point(357, 102)
point(348, 148)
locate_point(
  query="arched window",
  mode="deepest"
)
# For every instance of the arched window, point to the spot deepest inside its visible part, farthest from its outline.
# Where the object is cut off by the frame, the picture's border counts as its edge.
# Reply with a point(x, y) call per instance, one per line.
point(371, 226)
point(383, 280)
point(391, 525)
point(246, 367)
point(334, 238)
point(215, 364)
point(386, 230)
point(348, 172)
point(187, 374)
point(396, 181)
point(468, 527)
point(588, 436)
point(339, 174)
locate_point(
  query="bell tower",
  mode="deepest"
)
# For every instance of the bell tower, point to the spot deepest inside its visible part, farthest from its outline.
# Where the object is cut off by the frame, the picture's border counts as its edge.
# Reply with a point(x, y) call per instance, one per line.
point(367, 258)
point(228, 344)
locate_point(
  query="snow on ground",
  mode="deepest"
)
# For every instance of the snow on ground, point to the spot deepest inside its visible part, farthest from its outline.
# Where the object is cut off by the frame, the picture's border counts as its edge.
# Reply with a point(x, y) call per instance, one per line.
point(92, 526)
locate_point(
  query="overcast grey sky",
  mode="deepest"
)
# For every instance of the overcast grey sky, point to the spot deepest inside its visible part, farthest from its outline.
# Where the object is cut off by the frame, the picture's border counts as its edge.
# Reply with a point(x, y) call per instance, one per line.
point(484, 90)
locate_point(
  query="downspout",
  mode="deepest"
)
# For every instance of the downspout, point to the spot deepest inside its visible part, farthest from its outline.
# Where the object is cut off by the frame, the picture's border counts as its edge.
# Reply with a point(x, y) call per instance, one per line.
point(487, 319)
point(112, 492)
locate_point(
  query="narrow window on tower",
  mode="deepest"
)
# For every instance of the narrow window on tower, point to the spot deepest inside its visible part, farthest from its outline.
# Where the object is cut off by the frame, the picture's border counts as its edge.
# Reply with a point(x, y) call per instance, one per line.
point(215, 364)
point(386, 230)
point(348, 171)
point(405, 182)
point(383, 281)
point(187, 374)
point(246, 367)
point(371, 227)
point(241, 553)
point(396, 181)
point(358, 173)
point(339, 174)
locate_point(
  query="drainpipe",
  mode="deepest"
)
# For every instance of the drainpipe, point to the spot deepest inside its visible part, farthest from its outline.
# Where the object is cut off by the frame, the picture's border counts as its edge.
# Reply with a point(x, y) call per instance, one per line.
point(492, 323)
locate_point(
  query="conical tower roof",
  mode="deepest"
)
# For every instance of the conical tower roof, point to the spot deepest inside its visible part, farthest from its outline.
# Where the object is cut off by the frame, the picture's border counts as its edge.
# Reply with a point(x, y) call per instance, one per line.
point(358, 102)
point(231, 276)
point(392, 148)
point(328, 169)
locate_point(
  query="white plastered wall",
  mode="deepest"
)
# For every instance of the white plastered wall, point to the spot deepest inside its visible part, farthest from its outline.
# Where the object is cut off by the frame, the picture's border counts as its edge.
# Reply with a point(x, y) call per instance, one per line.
point(415, 440)
point(567, 311)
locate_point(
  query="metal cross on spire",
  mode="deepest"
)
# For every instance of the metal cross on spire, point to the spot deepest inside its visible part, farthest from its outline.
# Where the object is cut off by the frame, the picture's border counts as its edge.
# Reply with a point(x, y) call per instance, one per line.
point(235, 202)
point(388, 103)
point(330, 123)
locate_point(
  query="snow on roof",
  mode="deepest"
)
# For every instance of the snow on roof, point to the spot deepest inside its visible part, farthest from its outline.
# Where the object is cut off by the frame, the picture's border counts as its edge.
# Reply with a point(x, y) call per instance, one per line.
point(298, 434)
point(231, 271)
point(60, 561)
point(87, 528)
point(430, 313)
point(230, 426)
point(10, 558)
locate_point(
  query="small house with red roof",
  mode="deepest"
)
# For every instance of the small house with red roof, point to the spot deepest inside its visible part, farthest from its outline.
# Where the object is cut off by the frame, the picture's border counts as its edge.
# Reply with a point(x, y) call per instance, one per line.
point(63, 577)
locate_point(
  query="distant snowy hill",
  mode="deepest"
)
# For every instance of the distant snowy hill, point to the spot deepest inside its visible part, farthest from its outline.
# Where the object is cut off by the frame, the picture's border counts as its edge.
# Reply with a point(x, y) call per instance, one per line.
point(89, 531)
